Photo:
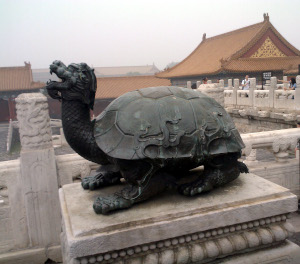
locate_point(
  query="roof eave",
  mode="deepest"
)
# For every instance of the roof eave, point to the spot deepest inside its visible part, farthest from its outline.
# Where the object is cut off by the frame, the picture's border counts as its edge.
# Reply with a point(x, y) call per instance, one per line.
point(194, 75)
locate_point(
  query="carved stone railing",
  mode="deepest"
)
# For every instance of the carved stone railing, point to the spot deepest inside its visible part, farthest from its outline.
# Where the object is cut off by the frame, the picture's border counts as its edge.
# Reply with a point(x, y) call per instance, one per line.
point(30, 212)
point(269, 99)
point(280, 141)
point(72, 168)
point(284, 170)
point(29, 206)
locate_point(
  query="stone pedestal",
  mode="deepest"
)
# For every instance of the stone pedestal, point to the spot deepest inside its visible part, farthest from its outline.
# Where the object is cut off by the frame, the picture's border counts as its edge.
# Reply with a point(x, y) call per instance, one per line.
point(245, 220)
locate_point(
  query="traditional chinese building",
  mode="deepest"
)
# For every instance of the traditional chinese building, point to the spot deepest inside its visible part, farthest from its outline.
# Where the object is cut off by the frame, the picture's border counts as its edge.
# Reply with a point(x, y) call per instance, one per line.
point(14, 81)
point(251, 50)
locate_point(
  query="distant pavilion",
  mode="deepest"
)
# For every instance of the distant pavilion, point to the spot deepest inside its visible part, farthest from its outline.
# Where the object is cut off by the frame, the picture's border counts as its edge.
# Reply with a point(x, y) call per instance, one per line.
point(251, 50)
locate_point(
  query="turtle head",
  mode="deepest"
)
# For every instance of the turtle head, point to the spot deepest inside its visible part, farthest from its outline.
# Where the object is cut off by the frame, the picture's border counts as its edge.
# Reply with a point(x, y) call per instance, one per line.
point(78, 82)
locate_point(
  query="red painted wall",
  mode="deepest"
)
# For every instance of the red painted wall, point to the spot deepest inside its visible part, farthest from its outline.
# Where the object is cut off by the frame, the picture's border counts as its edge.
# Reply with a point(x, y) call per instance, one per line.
point(4, 110)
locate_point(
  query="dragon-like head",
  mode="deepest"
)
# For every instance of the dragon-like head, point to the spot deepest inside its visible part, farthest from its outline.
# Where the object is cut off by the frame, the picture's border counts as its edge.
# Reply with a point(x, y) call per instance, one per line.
point(78, 83)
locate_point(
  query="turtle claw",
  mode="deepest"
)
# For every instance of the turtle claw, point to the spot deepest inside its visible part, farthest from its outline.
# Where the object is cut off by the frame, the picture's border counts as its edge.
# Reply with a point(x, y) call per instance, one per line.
point(101, 179)
point(194, 188)
point(91, 182)
point(103, 205)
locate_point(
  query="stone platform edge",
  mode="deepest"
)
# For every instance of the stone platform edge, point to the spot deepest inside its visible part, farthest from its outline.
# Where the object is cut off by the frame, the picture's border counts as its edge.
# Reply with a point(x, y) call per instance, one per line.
point(262, 228)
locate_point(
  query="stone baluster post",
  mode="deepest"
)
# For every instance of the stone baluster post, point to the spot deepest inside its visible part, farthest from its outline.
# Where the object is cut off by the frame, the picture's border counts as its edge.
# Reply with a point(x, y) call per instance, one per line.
point(285, 85)
point(229, 83)
point(251, 90)
point(221, 83)
point(236, 84)
point(297, 94)
point(189, 85)
point(198, 84)
point(38, 170)
point(272, 90)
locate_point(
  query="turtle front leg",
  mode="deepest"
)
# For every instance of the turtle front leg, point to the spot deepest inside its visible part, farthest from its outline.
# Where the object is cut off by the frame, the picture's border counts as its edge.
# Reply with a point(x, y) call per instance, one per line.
point(103, 205)
point(133, 194)
point(214, 176)
point(106, 175)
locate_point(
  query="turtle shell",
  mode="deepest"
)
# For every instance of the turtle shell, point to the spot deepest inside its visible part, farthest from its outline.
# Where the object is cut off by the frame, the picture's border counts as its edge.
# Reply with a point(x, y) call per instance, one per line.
point(165, 123)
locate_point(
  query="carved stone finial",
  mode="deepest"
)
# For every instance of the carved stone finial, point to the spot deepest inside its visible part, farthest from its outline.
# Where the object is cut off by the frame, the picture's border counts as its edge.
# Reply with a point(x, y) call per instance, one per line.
point(204, 37)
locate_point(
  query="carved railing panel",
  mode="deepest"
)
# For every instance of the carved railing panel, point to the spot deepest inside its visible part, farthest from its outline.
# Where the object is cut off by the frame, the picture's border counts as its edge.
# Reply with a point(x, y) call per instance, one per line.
point(284, 99)
point(280, 141)
point(243, 97)
point(261, 98)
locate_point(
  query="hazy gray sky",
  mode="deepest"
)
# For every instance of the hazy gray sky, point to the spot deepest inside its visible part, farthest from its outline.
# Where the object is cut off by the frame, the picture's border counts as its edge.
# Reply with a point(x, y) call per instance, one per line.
point(127, 32)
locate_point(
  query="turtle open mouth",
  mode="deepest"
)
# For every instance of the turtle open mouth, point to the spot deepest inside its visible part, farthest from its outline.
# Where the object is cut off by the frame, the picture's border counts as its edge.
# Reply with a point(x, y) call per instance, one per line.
point(59, 69)
point(54, 87)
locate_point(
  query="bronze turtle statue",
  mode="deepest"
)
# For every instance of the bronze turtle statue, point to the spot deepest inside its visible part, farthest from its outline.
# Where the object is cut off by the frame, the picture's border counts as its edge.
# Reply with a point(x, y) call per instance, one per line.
point(151, 137)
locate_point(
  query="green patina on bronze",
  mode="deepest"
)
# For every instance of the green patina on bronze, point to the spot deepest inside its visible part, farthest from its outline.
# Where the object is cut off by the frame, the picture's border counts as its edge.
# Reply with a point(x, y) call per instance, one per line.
point(151, 137)
point(165, 123)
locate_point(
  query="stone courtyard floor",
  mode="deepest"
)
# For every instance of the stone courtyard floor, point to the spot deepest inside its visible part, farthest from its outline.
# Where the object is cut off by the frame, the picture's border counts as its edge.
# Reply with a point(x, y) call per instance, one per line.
point(262, 155)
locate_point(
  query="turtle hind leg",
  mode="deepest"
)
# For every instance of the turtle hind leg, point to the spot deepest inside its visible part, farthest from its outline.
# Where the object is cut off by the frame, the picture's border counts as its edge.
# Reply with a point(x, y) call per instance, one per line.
point(215, 175)
point(105, 175)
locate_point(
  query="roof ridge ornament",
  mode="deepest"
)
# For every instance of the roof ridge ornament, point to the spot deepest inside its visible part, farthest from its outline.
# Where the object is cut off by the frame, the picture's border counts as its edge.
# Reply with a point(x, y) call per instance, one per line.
point(266, 17)
point(204, 37)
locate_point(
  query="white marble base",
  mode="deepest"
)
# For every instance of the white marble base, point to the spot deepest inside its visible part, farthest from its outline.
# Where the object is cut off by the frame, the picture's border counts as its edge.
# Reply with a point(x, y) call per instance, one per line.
point(246, 215)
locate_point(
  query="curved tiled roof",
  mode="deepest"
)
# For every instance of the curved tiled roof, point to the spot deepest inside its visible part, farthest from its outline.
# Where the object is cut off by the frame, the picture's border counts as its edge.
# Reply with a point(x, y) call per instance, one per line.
point(222, 53)
point(17, 79)
point(113, 87)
